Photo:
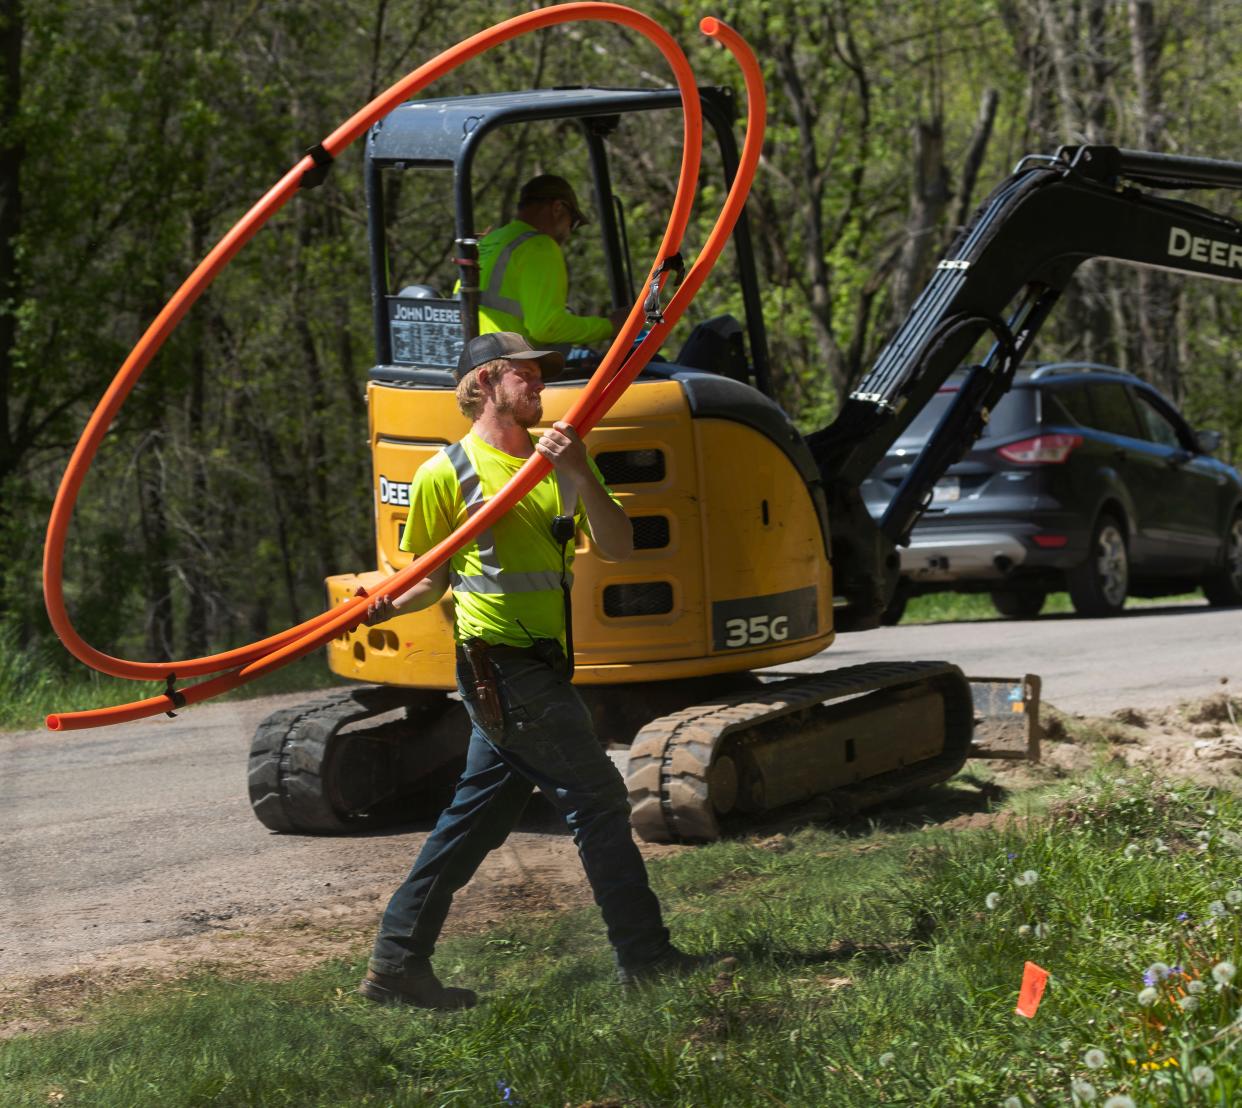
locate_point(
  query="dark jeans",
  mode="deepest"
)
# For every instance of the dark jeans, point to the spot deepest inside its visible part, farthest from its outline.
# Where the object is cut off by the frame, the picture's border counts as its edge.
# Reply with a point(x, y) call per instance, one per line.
point(548, 740)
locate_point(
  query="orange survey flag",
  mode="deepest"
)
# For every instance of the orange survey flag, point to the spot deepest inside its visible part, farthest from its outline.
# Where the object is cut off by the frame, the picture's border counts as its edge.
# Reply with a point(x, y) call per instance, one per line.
point(1034, 978)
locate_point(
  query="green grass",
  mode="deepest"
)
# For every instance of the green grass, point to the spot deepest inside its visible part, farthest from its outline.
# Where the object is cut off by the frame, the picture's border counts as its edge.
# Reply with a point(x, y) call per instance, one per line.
point(877, 967)
point(33, 683)
point(955, 607)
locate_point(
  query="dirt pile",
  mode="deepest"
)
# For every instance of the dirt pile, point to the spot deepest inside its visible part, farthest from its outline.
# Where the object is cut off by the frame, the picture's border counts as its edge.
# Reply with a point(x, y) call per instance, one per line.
point(1198, 740)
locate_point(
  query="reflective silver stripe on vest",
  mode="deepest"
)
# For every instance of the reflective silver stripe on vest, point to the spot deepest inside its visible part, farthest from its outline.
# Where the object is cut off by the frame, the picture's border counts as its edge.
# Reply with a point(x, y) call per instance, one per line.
point(492, 580)
point(490, 297)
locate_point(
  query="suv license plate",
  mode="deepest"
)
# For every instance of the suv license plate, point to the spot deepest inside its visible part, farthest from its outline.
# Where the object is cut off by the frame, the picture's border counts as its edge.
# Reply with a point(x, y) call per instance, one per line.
point(946, 490)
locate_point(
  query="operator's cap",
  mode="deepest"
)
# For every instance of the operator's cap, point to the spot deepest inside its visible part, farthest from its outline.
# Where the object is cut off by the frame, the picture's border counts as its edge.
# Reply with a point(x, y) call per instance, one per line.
point(548, 186)
point(508, 344)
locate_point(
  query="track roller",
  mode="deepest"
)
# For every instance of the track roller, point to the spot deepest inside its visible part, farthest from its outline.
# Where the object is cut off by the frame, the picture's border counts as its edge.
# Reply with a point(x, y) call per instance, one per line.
point(861, 735)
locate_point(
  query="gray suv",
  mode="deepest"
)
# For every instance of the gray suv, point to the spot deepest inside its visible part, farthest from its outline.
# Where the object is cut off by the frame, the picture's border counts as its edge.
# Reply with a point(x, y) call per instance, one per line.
point(1086, 478)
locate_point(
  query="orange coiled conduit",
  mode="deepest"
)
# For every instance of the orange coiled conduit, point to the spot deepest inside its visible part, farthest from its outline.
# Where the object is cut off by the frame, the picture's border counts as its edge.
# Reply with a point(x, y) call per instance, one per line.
point(605, 386)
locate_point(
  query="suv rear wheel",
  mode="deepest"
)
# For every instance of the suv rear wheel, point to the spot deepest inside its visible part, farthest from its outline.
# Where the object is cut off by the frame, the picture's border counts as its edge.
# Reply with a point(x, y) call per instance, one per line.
point(1098, 586)
point(1224, 587)
point(1019, 603)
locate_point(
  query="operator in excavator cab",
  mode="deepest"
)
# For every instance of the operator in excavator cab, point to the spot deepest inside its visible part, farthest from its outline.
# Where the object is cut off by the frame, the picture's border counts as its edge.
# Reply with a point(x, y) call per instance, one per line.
point(522, 276)
point(529, 726)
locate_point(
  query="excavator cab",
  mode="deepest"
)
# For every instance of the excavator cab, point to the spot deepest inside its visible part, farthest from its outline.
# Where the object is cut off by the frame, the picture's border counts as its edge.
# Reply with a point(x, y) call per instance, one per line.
point(419, 327)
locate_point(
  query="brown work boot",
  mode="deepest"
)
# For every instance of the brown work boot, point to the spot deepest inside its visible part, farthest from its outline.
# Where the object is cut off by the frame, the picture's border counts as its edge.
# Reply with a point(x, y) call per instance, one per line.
point(418, 987)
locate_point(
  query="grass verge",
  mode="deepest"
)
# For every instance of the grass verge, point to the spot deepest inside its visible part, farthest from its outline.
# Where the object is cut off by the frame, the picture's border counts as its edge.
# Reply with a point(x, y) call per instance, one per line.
point(956, 607)
point(876, 968)
point(32, 684)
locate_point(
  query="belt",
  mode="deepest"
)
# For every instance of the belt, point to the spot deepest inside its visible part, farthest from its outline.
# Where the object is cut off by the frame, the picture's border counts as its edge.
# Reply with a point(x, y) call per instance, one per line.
point(542, 649)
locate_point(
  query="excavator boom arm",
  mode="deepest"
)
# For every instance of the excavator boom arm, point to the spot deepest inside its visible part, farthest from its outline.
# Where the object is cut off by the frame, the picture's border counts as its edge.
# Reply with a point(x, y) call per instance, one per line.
point(1002, 276)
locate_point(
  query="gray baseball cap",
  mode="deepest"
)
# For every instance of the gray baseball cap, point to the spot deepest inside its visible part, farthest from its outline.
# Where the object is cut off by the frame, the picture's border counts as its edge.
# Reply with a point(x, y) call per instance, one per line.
point(511, 345)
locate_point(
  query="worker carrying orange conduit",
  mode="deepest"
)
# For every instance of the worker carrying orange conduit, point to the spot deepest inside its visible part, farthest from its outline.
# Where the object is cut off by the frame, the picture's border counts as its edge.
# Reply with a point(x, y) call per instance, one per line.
point(245, 664)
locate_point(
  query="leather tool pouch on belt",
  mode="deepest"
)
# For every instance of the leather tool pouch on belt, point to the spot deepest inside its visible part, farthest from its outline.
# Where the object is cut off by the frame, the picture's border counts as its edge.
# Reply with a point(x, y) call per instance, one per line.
point(486, 684)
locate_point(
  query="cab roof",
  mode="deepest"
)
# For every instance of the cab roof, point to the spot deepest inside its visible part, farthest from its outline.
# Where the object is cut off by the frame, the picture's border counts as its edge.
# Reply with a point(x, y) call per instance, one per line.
point(435, 131)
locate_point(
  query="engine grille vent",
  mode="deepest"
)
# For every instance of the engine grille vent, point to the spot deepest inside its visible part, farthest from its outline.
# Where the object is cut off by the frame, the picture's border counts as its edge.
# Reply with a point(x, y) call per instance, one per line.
point(631, 467)
point(648, 598)
point(650, 532)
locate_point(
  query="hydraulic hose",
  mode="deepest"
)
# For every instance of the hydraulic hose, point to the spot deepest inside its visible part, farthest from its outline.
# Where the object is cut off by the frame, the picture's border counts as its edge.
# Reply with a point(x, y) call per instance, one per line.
point(612, 377)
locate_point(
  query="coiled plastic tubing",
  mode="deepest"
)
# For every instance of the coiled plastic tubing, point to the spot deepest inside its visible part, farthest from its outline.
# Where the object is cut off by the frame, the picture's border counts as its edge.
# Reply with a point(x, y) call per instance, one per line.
point(615, 372)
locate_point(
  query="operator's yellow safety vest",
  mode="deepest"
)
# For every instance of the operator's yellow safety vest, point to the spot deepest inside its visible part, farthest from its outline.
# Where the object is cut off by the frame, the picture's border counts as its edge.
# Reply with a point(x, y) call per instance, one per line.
point(507, 582)
point(523, 287)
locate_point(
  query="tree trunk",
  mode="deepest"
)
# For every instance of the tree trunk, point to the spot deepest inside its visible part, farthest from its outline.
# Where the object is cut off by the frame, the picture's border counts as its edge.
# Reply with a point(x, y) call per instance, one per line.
point(156, 545)
point(1157, 301)
point(12, 153)
point(199, 509)
point(974, 159)
point(928, 200)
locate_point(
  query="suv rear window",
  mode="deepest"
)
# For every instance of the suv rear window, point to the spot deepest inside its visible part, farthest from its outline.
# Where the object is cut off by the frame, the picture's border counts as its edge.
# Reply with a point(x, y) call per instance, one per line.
point(1071, 401)
point(1014, 413)
point(1112, 410)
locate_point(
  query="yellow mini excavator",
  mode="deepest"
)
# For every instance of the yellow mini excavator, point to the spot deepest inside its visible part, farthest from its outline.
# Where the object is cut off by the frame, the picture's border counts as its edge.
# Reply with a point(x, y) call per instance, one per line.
point(752, 543)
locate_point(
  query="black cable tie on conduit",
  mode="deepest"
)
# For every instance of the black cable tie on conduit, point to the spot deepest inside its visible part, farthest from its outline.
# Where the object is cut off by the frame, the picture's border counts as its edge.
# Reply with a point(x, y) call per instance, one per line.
point(316, 175)
point(178, 698)
point(677, 266)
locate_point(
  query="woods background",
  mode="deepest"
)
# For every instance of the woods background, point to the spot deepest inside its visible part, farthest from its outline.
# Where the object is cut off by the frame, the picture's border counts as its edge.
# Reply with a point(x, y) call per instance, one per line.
point(134, 132)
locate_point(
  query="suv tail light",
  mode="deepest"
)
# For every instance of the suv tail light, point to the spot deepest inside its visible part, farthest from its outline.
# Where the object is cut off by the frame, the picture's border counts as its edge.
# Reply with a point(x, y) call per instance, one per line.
point(1041, 450)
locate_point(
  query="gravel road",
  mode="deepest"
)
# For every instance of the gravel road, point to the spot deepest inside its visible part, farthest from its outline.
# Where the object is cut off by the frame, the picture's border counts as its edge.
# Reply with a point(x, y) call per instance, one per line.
point(129, 844)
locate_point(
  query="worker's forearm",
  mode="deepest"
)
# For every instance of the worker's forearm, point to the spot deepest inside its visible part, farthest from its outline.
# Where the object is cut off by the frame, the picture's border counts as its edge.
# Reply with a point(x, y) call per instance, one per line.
point(423, 594)
point(611, 530)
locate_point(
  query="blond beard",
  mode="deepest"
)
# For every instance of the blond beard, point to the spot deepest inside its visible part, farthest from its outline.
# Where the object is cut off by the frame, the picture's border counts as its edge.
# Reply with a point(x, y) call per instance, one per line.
point(505, 408)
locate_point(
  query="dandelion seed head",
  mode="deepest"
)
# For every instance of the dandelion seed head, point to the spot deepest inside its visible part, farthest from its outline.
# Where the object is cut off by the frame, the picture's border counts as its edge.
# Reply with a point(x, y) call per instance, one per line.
point(992, 900)
point(1196, 987)
point(1030, 876)
point(887, 1058)
point(1012, 1102)
point(1156, 971)
point(1223, 972)
point(1132, 850)
point(1188, 1003)
point(1119, 1100)
point(1233, 897)
point(1083, 1090)
point(1217, 908)
point(1095, 1059)
point(1147, 997)
point(1202, 1076)
point(1024, 932)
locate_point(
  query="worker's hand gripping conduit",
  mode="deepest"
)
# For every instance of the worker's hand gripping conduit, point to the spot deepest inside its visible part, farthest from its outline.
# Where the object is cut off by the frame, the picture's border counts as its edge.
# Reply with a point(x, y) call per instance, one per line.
point(245, 664)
